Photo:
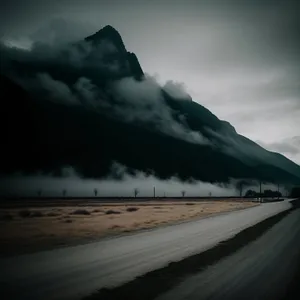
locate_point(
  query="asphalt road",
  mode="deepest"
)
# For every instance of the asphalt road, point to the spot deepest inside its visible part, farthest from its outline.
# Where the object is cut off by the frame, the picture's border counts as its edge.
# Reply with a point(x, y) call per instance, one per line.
point(262, 270)
point(75, 272)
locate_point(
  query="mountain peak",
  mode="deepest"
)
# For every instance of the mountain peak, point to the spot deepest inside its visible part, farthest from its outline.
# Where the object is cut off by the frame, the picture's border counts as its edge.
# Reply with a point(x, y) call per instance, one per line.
point(108, 33)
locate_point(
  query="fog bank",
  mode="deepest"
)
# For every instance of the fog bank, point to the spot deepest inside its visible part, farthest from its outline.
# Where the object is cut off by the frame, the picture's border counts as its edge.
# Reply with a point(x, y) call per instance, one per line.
point(71, 184)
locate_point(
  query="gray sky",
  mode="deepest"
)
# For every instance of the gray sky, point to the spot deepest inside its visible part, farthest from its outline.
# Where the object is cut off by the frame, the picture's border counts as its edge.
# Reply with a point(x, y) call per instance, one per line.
point(240, 59)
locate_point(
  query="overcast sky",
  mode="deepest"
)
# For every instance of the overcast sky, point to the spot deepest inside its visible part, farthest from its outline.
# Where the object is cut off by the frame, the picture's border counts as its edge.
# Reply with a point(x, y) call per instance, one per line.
point(240, 59)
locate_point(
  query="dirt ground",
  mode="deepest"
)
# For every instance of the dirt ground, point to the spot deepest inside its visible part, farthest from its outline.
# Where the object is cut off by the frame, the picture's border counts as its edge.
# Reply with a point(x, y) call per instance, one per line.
point(39, 228)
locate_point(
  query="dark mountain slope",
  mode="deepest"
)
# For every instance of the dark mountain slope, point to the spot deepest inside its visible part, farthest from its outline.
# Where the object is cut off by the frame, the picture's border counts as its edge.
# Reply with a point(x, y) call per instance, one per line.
point(49, 136)
point(225, 136)
point(61, 135)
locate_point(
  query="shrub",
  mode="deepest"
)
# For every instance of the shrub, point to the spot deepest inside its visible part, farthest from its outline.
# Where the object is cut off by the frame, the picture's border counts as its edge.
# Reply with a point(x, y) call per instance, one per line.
point(81, 212)
point(68, 221)
point(6, 217)
point(25, 213)
point(53, 214)
point(111, 212)
point(115, 227)
point(36, 214)
point(190, 204)
point(130, 209)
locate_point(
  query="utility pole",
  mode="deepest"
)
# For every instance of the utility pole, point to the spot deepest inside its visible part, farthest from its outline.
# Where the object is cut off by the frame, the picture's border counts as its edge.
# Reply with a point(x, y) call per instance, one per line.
point(260, 188)
point(260, 196)
point(153, 192)
point(136, 191)
point(241, 190)
point(278, 190)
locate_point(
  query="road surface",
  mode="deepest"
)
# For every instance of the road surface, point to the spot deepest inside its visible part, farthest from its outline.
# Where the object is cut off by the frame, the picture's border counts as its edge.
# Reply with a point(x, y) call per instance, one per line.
point(261, 270)
point(75, 272)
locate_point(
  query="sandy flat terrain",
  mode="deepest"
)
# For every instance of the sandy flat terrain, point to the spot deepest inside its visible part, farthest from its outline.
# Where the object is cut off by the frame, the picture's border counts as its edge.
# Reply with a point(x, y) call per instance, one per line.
point(39, 228)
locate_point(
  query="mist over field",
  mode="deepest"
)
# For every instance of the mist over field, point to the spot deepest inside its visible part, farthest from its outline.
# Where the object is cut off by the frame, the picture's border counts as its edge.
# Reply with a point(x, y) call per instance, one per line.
point(120, 183)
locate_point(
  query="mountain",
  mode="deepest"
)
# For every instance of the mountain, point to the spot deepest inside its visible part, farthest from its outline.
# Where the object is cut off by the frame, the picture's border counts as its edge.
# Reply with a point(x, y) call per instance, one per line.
point(90, 104)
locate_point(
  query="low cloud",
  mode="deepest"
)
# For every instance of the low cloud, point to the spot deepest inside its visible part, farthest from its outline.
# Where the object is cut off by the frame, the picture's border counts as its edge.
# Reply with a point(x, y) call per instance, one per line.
point(119, 183)
point(60, 31)
point(80, 56)
point(57, 90)
point(87, 92)
point(176, 90)
point(145, 102)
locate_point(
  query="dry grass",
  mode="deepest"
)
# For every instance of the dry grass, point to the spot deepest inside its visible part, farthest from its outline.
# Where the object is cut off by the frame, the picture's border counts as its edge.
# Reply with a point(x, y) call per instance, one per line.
point(26, 213)
point(53, 214)
point(131, 209)
point(81, 212)
point(43, 228)
point(112, 212)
